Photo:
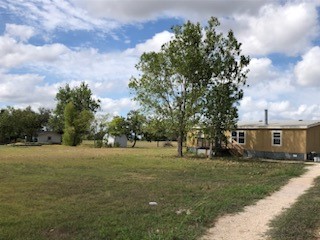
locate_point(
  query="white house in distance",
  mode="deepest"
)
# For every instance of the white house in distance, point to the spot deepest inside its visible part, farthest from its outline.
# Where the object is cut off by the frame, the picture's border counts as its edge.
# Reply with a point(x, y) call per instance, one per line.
point(115, 141)
point(49, 137)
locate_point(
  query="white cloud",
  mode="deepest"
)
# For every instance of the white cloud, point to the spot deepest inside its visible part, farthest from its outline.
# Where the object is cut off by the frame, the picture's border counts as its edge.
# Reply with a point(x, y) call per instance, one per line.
point(143, 10)
point(307, 71)
point(261, 69)
point(13, 53)
point(106, 73)
point(267, 82)
point(21, 32)
point(153, 44)
point(262, 27)
point(253, 110)
point(57, 14)
point(118, 106)
point(26, 89)
point(285, 27)
point(288, 29)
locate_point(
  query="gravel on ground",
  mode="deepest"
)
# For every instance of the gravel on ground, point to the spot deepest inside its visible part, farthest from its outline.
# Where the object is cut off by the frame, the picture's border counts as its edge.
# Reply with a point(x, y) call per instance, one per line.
point(253, 222)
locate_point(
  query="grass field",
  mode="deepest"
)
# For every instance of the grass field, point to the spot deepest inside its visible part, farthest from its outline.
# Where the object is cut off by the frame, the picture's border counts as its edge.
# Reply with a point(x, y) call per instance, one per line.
point(57, 192)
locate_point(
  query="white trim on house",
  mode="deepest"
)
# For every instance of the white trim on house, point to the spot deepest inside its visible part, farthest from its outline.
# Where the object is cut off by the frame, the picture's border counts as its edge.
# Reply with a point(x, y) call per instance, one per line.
point(276, 138)
point(235, 135)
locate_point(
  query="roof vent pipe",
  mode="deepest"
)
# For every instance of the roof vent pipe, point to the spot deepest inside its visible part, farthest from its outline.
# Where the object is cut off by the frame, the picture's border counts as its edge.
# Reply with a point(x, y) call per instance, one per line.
point(266, 116)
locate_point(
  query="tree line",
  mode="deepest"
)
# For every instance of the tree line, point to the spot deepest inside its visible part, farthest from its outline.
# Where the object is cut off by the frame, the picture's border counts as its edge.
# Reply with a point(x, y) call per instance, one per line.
point(74, 117)
point(23, 124)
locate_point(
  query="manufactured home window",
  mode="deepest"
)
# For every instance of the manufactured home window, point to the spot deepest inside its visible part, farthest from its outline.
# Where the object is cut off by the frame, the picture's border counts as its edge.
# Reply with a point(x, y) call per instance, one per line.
point(234, 135)
point(239, 136)
point(276, 138)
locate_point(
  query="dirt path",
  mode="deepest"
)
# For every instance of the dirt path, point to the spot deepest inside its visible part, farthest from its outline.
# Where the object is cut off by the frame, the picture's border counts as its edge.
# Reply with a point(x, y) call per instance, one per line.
point(252, 223)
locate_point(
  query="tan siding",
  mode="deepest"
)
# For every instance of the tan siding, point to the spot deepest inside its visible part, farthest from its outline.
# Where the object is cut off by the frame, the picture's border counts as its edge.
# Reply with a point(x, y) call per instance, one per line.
point(313, 136)
point(293, 140)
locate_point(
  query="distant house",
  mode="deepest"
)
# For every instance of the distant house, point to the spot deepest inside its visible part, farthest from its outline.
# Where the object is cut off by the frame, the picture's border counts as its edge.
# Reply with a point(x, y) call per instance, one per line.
point(116, 141)
point(295, 140)
point(49, 137)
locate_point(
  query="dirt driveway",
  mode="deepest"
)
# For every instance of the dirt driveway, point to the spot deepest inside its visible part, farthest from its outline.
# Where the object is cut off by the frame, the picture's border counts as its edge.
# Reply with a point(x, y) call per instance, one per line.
point(253, 222)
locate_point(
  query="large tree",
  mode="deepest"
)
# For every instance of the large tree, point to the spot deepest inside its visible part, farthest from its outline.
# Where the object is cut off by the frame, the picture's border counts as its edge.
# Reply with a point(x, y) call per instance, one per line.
point(80, 96)
point(224, 88)
point(171, 81)
point(197, 75)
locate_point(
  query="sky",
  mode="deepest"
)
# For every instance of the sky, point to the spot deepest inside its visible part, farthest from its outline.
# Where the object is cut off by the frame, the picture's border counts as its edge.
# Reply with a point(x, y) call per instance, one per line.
point(45, 44)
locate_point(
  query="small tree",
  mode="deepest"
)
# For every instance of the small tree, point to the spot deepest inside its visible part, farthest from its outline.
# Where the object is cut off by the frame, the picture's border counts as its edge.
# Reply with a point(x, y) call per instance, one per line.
point(135, 121)
point(99, 129)
point(77, 123)
point(118, 126)
point(156, 130)
point(224, 87)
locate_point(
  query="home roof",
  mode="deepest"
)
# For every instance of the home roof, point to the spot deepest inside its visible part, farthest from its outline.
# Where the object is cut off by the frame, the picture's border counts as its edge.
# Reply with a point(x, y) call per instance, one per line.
point(47, 132)
point(281, 124)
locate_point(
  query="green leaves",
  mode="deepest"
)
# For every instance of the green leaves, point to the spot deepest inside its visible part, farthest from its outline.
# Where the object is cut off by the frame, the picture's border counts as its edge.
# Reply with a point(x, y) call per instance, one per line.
point(196, 75)
point(18, 123)
point(118, 126)
point(80, 96)
point(76, 124)
point(224, 87)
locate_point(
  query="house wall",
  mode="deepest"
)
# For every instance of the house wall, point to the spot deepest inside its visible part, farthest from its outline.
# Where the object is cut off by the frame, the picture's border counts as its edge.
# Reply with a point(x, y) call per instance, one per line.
point(121, 140)
point(49, 137)
point(259, 144)
point(293, 140)
point(295, 143)
point(313, 139)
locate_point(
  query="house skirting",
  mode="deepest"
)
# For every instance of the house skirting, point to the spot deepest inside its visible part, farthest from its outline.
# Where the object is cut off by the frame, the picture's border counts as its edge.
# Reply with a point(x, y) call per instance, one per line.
point(199, 151)
point(275, 155)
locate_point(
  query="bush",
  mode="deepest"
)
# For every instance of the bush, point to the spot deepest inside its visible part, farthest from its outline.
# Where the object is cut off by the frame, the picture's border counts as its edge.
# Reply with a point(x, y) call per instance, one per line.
point(98, 144)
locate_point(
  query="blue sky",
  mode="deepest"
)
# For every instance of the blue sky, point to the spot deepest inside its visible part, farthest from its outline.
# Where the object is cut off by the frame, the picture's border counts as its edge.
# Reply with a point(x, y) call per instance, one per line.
point(45, 44)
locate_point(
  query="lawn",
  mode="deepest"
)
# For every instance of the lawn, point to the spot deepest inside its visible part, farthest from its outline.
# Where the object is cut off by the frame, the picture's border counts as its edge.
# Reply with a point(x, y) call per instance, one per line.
point(58, 192)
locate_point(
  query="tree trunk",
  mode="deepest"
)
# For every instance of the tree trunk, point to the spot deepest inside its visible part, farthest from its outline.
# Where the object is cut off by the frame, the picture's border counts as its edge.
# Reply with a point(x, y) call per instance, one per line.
point(217, 146)
point(211, 149)
point(180, 154)
point(134, 142)
point(180, 145)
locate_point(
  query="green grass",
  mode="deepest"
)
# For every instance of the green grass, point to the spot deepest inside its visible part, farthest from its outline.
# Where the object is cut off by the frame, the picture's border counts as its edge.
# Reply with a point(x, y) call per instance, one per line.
point(58, 192)
point(302, 220)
